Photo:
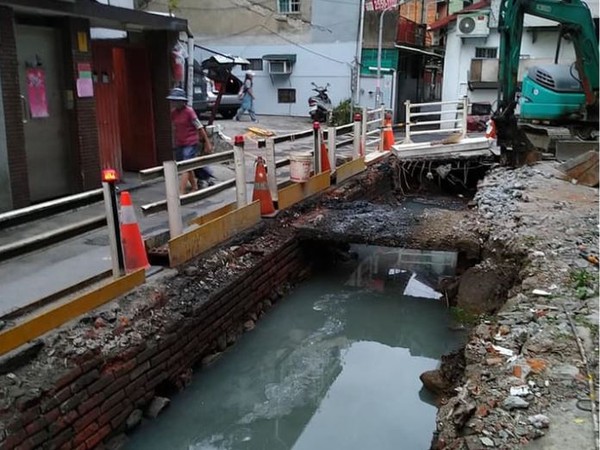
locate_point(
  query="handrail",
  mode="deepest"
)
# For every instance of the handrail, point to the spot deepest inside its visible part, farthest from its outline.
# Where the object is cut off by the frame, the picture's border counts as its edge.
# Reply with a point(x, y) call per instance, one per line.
point(460, 117)
point(202, 161)
point(187, 165)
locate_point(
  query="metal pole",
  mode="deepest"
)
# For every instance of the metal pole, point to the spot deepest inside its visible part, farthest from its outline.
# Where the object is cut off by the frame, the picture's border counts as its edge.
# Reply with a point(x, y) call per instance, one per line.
point(317, 146)
point(173, 202)
point(190, 71)
point(465, 113)
point(363, 134)
point(357, 136)
point(331, 135)
point(271, 174)
point(407, 139)
point(240, 171)
point(114, 231)
point(359, 46)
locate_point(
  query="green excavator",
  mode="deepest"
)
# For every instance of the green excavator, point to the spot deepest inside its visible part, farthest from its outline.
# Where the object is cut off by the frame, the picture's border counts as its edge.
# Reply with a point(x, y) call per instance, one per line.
point(556, 102)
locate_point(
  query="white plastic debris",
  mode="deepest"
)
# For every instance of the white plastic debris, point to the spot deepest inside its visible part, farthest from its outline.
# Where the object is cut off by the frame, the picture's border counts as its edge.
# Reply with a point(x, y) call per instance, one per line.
point(541, 293)
point(520, 391)
point(502, 350)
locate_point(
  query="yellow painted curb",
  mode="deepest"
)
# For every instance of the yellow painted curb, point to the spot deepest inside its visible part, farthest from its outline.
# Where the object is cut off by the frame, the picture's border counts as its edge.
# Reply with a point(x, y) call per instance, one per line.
point(38, 324)
point(350, 169)
point(204, 237)
point(297, 192)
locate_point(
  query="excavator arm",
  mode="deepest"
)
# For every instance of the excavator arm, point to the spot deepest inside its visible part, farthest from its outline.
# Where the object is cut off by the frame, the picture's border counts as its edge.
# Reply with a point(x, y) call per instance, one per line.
point(575, 19)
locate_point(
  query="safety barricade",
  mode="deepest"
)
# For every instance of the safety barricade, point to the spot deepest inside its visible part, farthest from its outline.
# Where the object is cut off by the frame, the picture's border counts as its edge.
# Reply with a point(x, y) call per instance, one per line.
point(270, 195)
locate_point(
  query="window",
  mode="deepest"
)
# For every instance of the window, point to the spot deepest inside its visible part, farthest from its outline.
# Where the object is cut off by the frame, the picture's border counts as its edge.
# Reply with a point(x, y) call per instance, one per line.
point(280, 67)
point(255, 64)
point(286, 95)
point(486, 52)
point(288, 6)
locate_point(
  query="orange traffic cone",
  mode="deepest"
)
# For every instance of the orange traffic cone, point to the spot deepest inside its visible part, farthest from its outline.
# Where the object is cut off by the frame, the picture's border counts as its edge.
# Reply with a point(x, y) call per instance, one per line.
point(388, 133)
point(133, 244)
point(325, 166)
point(261, 189)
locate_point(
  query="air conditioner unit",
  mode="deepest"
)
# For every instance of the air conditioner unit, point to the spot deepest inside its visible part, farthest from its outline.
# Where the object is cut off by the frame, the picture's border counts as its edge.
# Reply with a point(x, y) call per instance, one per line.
point(473, 25)
point(280, 67)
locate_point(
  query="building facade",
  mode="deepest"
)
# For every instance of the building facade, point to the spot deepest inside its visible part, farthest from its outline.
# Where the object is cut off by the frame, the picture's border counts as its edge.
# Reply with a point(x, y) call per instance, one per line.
point(471, 59)
point(60, 121)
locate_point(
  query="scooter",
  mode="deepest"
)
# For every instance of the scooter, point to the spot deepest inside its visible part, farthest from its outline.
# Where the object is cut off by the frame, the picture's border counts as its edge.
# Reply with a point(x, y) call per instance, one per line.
point(319, 105)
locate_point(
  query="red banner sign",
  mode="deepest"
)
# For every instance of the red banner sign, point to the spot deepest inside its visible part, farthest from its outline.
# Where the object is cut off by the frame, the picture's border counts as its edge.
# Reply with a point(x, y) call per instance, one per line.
point(379, 5)
point(36, 92)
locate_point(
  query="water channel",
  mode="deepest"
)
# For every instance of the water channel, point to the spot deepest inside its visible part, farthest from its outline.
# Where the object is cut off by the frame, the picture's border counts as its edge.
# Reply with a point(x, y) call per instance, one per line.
point(335, 365)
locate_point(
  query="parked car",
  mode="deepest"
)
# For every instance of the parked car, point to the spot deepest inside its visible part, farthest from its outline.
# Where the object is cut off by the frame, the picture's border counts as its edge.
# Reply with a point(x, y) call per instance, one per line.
point(208, 77)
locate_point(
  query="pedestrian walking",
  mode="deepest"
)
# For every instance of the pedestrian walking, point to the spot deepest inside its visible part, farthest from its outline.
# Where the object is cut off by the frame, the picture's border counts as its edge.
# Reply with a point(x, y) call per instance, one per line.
point(188, 131)
point(247, 95)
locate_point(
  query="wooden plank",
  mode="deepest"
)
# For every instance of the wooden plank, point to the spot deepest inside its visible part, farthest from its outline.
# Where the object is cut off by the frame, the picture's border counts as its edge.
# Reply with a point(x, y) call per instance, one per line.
point(40, 323)
point(297, 192)
point(214, 214)
point(350, 169)
point(204, 237)
point(289, 195)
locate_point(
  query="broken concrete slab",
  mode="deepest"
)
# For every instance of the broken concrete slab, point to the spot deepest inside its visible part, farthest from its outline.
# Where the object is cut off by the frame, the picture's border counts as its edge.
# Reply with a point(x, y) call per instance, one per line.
point(583, 169)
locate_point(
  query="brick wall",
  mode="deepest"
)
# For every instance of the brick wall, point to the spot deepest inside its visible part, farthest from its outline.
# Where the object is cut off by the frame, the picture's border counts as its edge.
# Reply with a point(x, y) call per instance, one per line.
point(91, 402)
point(13, 110)
point(159, 48)
point(85, 147)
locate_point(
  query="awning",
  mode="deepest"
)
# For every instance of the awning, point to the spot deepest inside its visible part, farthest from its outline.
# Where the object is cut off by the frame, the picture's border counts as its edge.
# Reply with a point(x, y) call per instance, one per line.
point(100, 15)
point(418, 50)
point(281, 57)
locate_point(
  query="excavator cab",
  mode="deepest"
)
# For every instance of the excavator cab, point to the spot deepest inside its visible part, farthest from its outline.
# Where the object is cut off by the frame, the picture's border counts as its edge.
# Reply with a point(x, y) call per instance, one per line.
point(552, 93)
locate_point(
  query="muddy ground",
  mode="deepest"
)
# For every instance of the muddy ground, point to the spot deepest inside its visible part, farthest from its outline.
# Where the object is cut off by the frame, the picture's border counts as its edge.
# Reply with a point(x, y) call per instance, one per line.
point(521, 380)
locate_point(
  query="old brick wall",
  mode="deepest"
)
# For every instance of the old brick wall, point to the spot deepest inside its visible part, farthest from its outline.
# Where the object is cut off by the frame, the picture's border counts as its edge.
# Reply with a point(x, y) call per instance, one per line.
point(13, 110)
point(91, 402)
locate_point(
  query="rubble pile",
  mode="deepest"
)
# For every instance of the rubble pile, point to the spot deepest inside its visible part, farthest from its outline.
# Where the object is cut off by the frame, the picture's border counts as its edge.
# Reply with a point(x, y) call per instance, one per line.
point(524, 367)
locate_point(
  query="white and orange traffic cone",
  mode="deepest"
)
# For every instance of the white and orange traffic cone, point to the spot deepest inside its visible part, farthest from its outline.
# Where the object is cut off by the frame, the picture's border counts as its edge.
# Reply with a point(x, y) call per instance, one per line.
point(325, 166)
point(261, 189)
point(388, 133)
point(133, 244)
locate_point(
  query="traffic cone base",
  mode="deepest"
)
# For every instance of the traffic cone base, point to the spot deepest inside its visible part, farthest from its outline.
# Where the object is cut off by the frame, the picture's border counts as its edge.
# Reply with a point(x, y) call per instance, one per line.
point(131, 238)
point(261, 190)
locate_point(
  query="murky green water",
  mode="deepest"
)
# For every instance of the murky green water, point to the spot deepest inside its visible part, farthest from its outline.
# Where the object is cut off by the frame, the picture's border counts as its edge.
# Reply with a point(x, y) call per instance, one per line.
point(335, 365)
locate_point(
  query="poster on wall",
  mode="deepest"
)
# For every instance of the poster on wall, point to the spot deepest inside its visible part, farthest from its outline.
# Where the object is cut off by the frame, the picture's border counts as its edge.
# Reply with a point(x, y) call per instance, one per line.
point(85, 83)
point(36, 92)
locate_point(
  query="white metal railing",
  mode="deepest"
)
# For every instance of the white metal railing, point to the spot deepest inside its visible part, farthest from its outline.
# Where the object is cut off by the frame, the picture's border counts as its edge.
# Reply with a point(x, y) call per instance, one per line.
point(460, 112)
point(373, 126)
point(370, 123)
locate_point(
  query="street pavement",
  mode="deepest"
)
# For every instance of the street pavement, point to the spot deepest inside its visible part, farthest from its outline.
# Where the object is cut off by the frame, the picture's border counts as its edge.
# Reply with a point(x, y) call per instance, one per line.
point(28, 278)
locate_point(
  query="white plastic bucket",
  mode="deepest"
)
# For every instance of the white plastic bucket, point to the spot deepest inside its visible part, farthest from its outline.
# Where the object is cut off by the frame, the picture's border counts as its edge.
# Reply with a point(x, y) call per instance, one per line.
point(300, 164)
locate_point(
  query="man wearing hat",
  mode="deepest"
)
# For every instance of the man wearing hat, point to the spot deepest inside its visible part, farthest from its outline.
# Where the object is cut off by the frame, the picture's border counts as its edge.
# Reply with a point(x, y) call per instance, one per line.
point(247, 98)
point(188, 131)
